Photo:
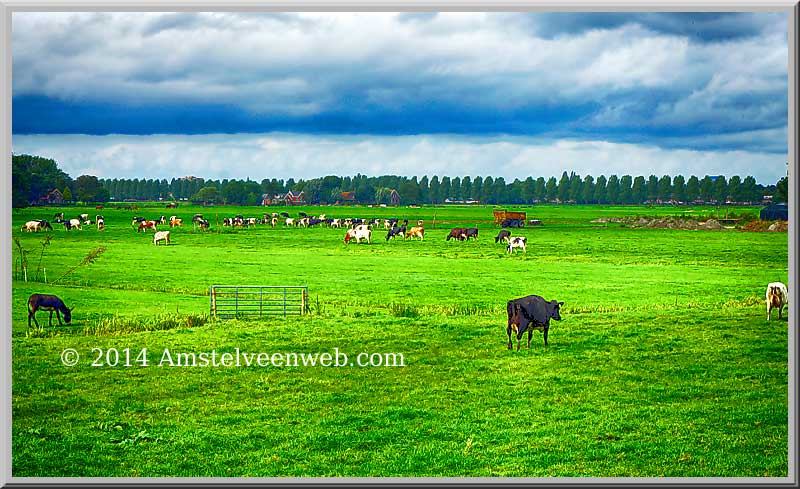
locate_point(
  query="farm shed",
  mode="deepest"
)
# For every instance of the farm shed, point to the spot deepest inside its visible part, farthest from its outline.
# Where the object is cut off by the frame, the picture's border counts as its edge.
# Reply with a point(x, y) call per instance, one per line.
point(774, 212)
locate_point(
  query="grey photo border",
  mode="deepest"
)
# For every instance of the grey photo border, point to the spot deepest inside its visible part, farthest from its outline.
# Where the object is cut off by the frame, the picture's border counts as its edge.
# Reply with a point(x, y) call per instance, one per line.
point(8, 7)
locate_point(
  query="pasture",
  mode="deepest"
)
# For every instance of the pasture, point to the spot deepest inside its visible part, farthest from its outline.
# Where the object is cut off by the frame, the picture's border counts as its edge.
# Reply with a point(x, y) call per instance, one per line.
point(663, 366)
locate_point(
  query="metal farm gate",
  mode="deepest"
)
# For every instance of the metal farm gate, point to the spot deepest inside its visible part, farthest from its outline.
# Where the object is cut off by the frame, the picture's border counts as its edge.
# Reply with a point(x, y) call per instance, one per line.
point(231, 301)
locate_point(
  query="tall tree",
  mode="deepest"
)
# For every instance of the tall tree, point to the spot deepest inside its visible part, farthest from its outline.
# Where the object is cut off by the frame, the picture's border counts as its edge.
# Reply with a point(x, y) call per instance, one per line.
point(529, 190)
point(706, 188)
point(720, 189)
point(575, 187)
point(563, 188)
point(600, 190)
point(88, 189)
point(665, 187)
point(781, 190)
point(679, 189)
point(735, 189)
point(626, 189)
point(541, 195)
point(692, 189)
point(477, 188)
point(612, 189)
point(433, 191)
point(444, 188)
point(466, 188)
point(587, 194)
point(487, 193)
point(750, 190)
point(551, 189)
point(639, 190)
point(652, 188)
point(455, 188)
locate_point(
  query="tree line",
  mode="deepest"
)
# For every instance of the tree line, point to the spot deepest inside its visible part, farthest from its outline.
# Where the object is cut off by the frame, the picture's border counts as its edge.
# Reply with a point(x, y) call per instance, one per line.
point(33, 177)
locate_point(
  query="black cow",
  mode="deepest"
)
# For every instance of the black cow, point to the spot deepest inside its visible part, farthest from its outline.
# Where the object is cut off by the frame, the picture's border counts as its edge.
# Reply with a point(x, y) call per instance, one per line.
point(285, 214)
point(471, 233)
point(457, 233)
point(396, 231)
point(44, 224)
point(503, 235)
point(529, 313)
point(197, 218)
point(50, 303)
point(58, 215)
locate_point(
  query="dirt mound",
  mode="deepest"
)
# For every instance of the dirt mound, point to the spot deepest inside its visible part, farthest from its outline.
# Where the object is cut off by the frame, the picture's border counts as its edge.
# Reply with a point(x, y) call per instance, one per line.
point(766, 226)
point(668, 222)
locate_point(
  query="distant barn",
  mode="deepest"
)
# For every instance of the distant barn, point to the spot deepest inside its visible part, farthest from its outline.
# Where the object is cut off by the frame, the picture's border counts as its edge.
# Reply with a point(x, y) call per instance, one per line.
point(775, 212)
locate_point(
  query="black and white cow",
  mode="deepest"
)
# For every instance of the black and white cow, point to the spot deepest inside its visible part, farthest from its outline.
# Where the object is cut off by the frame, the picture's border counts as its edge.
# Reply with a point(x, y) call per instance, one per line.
point(396, 231)
point(529, 313)
point(517, 242)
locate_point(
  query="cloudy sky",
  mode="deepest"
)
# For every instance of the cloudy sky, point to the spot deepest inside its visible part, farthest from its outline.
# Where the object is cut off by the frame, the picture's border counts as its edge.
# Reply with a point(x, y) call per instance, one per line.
point(304, 95)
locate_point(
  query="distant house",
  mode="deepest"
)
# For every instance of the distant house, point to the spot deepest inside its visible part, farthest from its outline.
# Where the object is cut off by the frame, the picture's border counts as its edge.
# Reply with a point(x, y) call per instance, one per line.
point(53, 197)
point(394, 198)
point(348, 197)
point(292, 198)
point(267, 199)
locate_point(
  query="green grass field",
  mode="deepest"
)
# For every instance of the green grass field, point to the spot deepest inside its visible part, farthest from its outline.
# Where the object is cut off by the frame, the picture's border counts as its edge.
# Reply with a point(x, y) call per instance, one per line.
point(663, 366)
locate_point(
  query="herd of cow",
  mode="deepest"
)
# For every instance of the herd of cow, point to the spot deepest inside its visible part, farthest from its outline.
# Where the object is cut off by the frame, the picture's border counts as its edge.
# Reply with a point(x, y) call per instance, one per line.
point(356, 228)
point(525, 314)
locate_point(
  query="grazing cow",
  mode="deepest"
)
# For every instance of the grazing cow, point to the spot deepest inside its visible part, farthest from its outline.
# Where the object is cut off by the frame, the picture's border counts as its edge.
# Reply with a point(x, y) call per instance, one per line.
point(98, 217)
point(336, 223)
point(416, 232)
point(197, 217)
point(273, 222)
point(202, 223)
point(50, 303)
point(777, 298)
point(58, 215)
point(98, 207)
point(161, 220)
point(517, 242)
point(161, 236)
point(145, 225)
point(472, 233)
point(137, 220)
point(32, 226)
point(529, 313)
point(358, 233)
point(285, 214)
point(84, 217)
point(303, 222)
point(503, 235)
point(175, 222)
point(457, 233)
point(396, 231)
point(101, 224)
point(73, 223)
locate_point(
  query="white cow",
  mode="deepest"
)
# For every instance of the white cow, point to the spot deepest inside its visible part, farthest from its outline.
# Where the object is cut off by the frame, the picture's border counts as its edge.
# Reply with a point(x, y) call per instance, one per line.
point(358, 233)
point(517, 242)
point(777, 298)
point(161, 236)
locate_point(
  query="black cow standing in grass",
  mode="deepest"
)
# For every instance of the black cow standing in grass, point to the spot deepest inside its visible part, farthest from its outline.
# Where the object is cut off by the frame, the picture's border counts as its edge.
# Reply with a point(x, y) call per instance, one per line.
point(50, 303)
point(503, 235)
point(529, 313)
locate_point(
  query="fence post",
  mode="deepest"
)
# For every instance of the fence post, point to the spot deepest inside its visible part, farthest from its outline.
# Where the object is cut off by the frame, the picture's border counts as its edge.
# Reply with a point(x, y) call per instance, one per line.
point(302, 302)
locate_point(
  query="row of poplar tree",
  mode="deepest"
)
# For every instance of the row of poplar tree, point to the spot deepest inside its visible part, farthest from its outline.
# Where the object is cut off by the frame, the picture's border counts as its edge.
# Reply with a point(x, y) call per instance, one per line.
point(34, 176)
point(572, 187)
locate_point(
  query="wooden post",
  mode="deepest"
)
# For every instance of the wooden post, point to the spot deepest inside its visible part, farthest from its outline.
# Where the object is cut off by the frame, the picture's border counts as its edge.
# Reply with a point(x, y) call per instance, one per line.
point(434, 220)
